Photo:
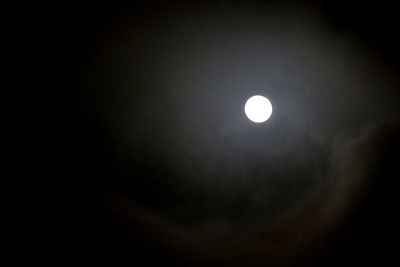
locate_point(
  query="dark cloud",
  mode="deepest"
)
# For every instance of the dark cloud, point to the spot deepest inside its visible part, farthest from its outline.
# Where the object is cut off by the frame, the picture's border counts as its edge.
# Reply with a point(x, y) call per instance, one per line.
point(360, 172)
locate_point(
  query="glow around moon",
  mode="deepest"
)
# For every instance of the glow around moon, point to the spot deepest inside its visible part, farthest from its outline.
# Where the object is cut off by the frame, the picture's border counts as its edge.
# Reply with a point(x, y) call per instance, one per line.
point(258, 109)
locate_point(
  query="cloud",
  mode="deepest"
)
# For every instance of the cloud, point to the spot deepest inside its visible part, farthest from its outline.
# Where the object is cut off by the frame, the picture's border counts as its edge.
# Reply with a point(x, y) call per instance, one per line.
point(360, 168)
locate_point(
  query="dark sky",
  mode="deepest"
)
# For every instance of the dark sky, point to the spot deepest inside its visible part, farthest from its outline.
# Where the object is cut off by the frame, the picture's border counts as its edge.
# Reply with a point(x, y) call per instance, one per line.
point(165, 166)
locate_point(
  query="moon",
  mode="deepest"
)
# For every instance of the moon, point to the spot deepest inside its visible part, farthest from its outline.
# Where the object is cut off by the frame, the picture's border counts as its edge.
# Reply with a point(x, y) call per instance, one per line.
point(258, 108)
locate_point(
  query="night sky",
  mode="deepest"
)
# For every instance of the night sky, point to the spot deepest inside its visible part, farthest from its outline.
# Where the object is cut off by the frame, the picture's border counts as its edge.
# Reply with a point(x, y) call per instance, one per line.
point(167, 169)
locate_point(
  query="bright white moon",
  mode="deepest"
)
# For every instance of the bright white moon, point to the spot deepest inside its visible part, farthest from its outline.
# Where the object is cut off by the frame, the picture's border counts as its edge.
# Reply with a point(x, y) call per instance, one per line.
point(258, 108)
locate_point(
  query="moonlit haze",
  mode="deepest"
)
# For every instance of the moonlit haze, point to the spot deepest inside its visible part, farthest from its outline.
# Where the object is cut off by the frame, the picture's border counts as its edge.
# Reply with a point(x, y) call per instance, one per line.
point(232, 133)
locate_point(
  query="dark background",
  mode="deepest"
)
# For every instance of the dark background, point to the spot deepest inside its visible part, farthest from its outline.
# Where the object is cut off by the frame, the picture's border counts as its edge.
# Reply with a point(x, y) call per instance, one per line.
point(164, 167)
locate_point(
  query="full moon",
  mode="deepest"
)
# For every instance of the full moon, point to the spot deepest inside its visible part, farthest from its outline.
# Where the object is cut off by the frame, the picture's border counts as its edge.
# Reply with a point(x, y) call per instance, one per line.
point(258, 108)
